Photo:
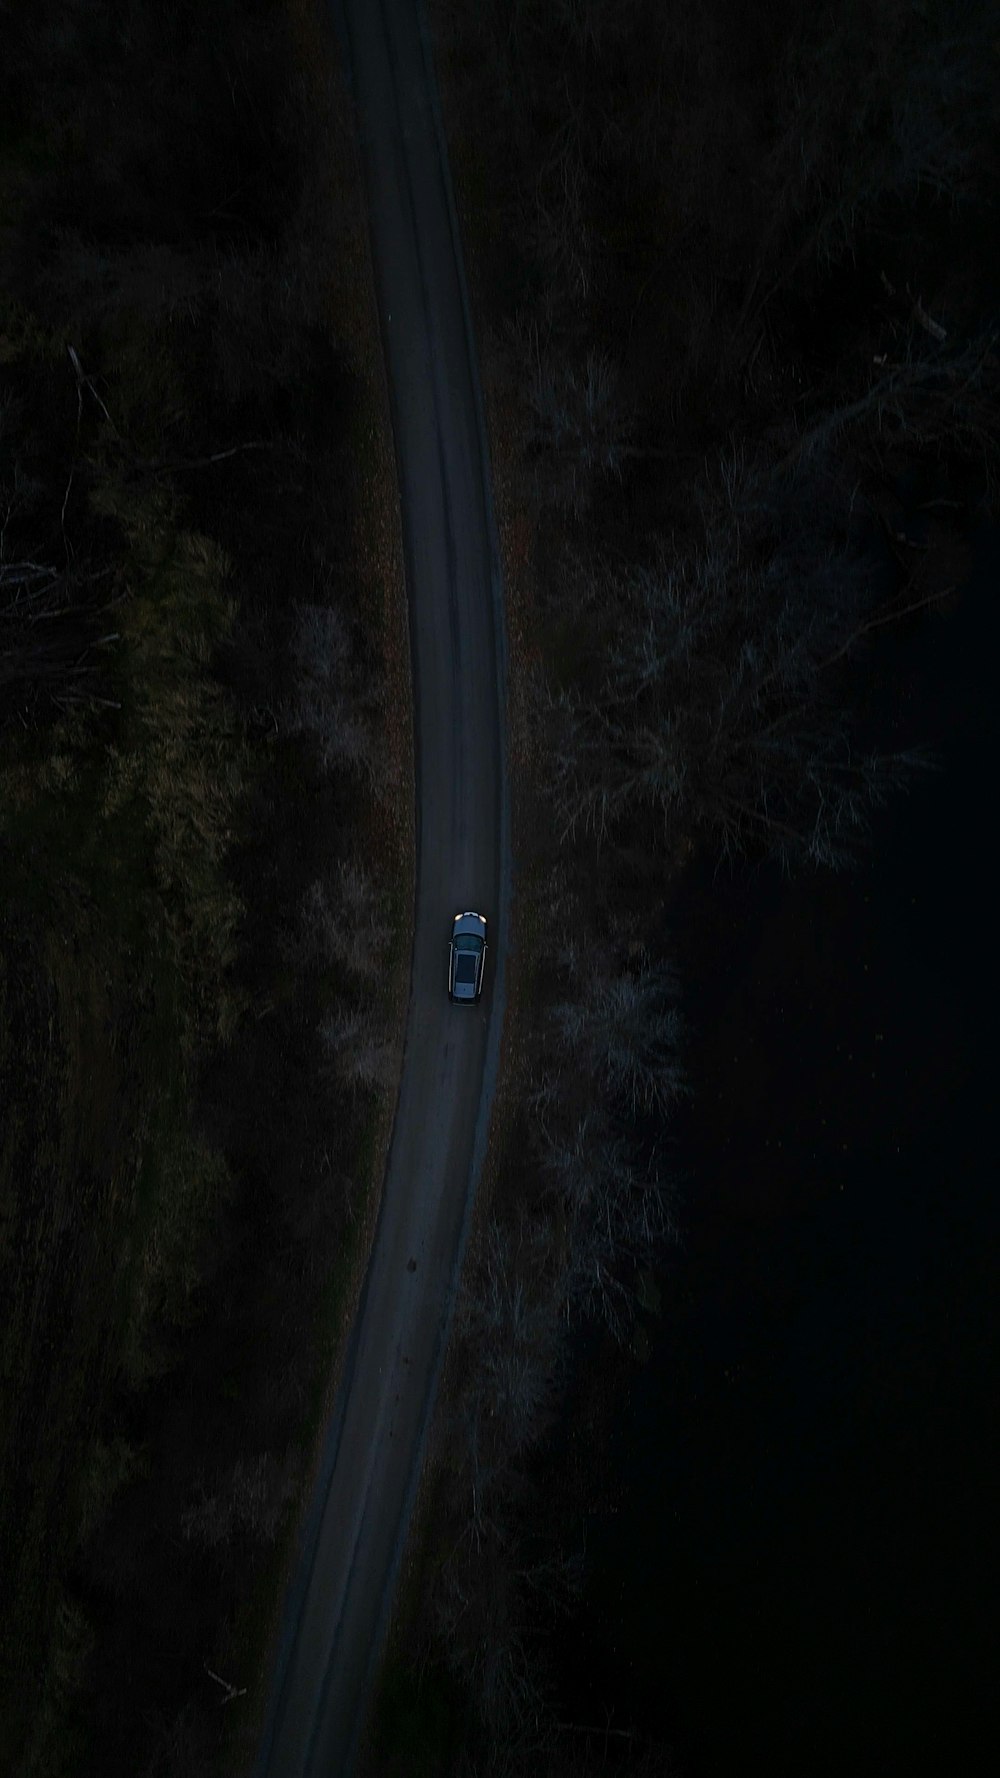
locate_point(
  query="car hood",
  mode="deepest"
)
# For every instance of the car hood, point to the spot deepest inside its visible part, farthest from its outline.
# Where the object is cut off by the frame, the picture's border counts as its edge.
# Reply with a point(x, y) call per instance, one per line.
point(473, 923)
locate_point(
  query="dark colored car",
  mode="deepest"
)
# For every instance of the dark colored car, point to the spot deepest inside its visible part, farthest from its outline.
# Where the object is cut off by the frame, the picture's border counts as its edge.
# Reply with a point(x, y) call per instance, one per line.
point(466, 957)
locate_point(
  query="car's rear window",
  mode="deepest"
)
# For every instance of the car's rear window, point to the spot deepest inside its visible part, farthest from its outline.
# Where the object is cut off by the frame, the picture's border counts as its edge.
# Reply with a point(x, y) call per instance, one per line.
point(465, 968)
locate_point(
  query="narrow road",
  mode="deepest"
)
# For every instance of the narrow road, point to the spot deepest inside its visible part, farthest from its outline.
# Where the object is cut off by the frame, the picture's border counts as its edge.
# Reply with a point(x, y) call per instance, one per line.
point(338, 1607)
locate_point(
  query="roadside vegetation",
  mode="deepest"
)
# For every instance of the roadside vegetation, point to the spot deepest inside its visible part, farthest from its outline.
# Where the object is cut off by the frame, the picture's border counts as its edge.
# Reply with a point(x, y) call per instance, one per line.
point(204, 858)
point(735, 281)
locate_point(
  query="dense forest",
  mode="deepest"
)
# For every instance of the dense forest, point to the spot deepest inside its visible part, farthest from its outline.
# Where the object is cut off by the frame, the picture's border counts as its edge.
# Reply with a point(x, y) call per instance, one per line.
point(735, 276)
point(201, 871)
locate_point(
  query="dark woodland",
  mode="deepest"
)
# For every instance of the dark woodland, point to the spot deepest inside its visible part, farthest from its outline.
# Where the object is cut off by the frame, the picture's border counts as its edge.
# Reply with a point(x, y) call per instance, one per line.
point(191, 894)
point(734, 274)
point(736, 280)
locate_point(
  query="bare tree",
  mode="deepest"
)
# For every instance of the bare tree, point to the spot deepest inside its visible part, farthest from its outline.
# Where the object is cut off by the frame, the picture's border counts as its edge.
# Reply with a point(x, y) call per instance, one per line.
point(339, 922)
point(623, 1029)
point(356, 1047)
point(610, 1214)
point(53, 653)
point(331, 701)
point(867, 115)
point(247, 1501)
point(580, 428)
point(58, 630)
point(720, 708)
point(510, 1320)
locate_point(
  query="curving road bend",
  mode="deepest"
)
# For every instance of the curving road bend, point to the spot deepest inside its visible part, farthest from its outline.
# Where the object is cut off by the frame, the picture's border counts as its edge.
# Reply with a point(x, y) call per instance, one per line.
point(338, 1607)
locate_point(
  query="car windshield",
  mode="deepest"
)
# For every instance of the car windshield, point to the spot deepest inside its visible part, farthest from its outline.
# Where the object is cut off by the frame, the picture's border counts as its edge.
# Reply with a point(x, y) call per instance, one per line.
point(466, 941)
point(465, 967)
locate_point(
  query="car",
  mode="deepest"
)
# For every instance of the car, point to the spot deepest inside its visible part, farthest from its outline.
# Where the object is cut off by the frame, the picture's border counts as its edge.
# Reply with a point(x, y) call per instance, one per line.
point(466, 957)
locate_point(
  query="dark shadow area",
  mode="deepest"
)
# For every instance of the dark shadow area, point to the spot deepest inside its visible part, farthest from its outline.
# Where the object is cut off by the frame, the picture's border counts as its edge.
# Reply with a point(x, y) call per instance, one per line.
point(796, 1569)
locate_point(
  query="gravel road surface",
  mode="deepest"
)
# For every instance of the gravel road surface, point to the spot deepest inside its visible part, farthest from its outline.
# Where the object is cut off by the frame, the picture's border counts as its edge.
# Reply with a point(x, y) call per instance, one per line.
point(338, 1606)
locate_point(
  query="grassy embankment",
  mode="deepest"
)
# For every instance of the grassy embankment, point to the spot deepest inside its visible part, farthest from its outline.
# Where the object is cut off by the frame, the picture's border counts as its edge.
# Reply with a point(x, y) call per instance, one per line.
point(199, 863)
